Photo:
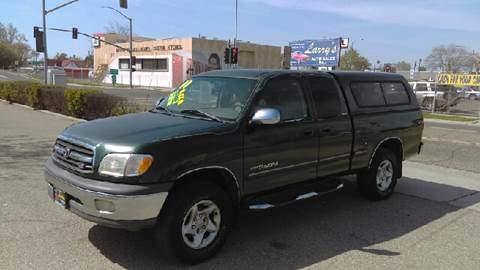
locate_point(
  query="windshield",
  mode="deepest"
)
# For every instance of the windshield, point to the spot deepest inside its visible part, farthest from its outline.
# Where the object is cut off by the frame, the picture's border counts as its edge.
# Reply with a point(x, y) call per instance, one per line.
point(219, 97)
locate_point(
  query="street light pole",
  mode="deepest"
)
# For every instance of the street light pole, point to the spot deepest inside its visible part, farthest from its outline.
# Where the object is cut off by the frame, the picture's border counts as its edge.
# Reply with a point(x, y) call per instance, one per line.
point(131, 39)
point(45, 54)
point(131, 50)
point(44, 16)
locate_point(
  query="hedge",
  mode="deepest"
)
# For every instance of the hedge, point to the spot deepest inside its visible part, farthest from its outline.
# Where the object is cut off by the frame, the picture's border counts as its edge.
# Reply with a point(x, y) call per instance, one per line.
point(81, 103)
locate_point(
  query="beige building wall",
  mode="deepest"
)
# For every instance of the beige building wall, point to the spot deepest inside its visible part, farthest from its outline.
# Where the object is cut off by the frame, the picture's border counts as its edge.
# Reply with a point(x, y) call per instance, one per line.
point(106, 53)
point(190, 56)
point(251, 55)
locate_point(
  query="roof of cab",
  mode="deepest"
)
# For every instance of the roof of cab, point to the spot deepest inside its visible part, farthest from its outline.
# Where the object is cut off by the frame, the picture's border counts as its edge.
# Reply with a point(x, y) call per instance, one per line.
point(263, 73)
point(245, 73)
point(363, 75)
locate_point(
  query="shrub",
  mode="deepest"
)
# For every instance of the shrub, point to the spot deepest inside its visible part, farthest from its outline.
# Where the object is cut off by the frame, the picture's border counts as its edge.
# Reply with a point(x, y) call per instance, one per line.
point(100, 105)
point(86, 104)
point(53, 99)
point(33, 95)
point(6, 91)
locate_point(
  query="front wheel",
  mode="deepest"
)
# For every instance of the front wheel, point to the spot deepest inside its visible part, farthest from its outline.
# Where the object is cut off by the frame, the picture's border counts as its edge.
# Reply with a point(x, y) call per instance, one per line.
point(194, 223)
point(378, 182)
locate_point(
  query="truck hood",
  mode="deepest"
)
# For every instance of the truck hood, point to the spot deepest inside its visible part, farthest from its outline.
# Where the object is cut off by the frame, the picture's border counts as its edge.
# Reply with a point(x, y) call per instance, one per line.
point(139, 128)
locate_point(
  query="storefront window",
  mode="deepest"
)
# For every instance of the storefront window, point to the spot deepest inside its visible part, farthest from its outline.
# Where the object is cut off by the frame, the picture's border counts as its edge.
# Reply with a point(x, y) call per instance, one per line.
point(147, 64)
point(123, 63)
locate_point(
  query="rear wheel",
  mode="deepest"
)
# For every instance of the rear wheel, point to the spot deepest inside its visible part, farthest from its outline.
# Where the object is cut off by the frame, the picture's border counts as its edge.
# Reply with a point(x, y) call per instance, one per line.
point(194, 223)
point(378, 182)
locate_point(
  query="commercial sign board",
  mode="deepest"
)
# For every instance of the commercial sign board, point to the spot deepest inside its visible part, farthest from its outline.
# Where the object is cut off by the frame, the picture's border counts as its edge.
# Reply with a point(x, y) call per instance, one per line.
point(315, 53)
point(458, 79)
point(174, 47)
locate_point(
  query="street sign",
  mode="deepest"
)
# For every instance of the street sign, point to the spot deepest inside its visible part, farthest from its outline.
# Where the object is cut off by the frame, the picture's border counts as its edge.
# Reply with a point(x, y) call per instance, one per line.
point(113, 71)
point(344, 43)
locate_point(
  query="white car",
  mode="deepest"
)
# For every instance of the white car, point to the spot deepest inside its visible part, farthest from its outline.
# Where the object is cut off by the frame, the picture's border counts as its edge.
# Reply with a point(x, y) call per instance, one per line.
point(425, 89)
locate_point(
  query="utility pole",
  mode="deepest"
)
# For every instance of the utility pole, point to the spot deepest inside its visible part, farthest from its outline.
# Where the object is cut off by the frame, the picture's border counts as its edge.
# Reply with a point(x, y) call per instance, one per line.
point(131, 40)
point(236, 27)
point(131, 56)
point(45, 54)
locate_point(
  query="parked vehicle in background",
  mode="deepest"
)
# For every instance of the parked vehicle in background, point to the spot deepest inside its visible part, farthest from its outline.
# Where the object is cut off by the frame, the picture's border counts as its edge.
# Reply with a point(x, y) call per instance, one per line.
point(225, 138)
point(425, 93)
point(469, 93)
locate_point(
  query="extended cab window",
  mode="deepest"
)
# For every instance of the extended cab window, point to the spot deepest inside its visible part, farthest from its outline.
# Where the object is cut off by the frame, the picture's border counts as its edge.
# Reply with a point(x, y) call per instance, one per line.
point(285, 95)
point(326, 97)
point(395, 93)
point(368, 94)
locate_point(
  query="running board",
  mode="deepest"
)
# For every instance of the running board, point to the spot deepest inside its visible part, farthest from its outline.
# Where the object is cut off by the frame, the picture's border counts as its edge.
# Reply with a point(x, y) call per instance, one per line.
point(308, 195)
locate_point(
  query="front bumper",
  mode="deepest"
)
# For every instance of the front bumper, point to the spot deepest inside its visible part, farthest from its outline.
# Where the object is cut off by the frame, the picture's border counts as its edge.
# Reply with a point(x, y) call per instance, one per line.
point(129, 206)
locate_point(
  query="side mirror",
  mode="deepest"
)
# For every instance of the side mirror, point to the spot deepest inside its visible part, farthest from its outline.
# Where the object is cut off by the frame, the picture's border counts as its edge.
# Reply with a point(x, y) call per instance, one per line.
point(266, 116)
point(159, 101)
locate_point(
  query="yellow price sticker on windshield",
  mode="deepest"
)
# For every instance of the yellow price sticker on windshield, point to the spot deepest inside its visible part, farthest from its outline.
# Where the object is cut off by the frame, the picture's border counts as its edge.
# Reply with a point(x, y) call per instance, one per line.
point(177, 97)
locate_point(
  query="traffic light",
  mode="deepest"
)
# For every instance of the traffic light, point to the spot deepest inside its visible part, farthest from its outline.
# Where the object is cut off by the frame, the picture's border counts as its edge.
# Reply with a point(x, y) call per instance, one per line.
point(123, 4)
point(227, 55)
point(35, 31)
point(38, 39)
point(75, 33)
point(234, 55)
point(134, 63)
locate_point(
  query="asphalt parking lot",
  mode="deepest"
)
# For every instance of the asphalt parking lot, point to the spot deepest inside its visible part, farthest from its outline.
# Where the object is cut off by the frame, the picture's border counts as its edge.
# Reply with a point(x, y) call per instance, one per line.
point(431, 222)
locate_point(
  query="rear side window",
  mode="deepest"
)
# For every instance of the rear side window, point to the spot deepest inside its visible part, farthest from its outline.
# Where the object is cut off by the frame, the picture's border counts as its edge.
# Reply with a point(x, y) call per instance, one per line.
point(395, 93)
point(326, 97)
point(368, 94)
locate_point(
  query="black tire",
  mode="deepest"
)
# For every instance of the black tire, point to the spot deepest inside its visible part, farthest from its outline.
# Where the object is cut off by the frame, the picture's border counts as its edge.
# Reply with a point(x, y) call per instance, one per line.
point(168, 231)
point(472, 97)
point(367, 180)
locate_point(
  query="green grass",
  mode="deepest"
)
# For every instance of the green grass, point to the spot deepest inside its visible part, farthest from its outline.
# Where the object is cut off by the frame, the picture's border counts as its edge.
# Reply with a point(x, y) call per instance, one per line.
point(448, 117)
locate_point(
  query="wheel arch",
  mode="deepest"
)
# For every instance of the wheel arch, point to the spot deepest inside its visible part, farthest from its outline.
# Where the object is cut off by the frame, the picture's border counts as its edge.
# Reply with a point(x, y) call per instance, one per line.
point(395, 144)
point(219, 175)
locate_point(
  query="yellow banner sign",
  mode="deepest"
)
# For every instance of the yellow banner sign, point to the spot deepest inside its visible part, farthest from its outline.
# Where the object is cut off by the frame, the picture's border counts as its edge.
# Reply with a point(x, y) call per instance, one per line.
point(458, 79)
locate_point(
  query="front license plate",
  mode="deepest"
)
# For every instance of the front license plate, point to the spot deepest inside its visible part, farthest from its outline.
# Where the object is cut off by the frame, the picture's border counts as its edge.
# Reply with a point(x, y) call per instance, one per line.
point(60, 197)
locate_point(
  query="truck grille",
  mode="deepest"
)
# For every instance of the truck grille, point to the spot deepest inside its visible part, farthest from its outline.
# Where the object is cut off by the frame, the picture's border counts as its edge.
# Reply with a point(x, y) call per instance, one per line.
point(74, 155)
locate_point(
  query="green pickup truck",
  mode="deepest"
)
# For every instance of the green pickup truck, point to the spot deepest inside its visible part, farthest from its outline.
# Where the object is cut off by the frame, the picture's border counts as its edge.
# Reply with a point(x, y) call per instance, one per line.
point(232, 138)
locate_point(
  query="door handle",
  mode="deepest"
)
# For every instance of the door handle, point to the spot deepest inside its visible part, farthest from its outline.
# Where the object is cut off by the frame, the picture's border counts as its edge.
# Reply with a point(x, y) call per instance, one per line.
point(326, 129)
point(308, 132)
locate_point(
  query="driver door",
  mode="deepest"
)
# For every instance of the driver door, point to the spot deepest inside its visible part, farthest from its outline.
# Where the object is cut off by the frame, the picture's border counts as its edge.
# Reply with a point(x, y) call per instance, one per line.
point(286, 152)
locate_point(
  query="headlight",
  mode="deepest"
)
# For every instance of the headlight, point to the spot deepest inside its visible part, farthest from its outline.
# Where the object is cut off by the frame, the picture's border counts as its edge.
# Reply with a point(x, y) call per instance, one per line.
point(120, 165)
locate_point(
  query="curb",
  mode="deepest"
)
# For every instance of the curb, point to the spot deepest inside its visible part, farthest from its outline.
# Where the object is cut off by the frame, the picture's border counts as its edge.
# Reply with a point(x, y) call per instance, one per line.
point(473, 123)
point(44, 111)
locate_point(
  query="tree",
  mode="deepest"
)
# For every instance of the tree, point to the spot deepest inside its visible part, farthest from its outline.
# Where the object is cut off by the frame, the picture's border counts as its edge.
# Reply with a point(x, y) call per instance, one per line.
point(13, 46)
point(7, 55)
point(89, 58)
point(402, 65)
point(451, 58)
point(61, 56)
point(352, 60)
point(117, 28)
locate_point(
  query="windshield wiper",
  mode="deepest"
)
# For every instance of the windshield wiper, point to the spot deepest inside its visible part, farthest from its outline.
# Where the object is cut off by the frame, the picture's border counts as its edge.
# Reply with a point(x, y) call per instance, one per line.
point(160, 108)
point(204, 114)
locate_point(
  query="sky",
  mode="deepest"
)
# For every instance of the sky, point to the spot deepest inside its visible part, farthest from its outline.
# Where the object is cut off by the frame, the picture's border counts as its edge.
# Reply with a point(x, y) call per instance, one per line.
point(389, 31)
